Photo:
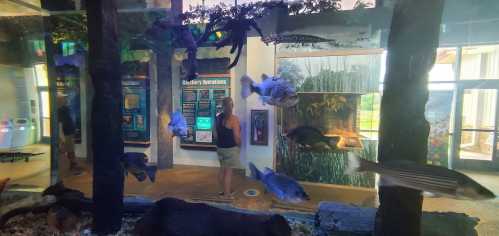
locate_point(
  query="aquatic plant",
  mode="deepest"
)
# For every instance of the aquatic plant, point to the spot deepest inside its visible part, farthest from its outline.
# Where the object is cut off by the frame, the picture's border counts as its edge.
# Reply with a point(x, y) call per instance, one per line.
point(322, 167)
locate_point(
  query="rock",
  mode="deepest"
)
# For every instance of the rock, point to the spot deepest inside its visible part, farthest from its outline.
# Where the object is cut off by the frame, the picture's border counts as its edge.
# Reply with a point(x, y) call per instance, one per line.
point(337, 217)
point(137, 204)
point(343, 219)
point(62, 219)
point(174, 217)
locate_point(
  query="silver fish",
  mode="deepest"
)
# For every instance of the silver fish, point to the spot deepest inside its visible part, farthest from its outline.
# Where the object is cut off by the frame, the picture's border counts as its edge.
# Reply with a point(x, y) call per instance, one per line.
point(282, 186)
point(272, 90)
point(433, 179)
point(294, 38)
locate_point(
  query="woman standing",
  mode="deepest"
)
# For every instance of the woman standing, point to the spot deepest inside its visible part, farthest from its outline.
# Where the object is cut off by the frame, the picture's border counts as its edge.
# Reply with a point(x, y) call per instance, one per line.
point(228, 135)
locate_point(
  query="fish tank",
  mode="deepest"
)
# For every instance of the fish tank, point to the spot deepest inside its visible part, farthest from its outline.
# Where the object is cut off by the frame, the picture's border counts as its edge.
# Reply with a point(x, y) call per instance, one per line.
point(394, 131)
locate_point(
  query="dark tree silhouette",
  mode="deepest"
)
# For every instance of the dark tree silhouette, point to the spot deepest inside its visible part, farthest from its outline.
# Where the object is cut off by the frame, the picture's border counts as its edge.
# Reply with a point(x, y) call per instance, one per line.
point(107, 140)
point(403, 131)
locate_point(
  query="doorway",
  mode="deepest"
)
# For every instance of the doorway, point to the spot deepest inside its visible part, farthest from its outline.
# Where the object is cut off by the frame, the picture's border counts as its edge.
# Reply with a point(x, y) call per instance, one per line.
point(475, 140)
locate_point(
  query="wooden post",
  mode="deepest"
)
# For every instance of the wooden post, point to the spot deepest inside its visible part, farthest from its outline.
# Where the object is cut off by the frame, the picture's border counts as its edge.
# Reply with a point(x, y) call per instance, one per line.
point(403, 133)
point(107, 140)
point(164, 67)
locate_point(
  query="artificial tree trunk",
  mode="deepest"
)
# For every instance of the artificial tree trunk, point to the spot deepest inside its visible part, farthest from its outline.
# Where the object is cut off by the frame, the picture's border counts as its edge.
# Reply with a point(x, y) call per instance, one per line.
point(403, 131)
point(165, 91)
point(107, 140)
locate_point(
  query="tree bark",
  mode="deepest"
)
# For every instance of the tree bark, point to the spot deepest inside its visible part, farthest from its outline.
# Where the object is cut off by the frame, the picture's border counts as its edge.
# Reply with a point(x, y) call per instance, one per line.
point(164, 69)
point(403, 132)
point(107, 140)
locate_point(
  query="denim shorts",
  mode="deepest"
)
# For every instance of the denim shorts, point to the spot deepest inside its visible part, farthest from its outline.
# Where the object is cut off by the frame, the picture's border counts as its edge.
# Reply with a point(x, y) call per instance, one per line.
point(228, 157)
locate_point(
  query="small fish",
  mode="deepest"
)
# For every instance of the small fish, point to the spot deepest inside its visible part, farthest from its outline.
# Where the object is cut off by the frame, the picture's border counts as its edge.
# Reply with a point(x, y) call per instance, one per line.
point(283, 187)
point(178, 125)
point(433, 179)
point(310, 137)
point(135, 163)
point(273, 90)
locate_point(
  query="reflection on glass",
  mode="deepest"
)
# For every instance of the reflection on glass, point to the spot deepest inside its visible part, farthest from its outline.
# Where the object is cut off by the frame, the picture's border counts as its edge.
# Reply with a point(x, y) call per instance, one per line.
point(41, 75)
point(438, 114)
point(345, 74)
point(441, 86)
point(479, 109)
point(443, 70)
point(476, 145)
point(369, 113)
point(45, 113)
point(480, 62)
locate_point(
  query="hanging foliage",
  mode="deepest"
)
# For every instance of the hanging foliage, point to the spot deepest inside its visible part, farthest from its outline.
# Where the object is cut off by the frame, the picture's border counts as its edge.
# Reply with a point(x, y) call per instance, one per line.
point(69, 27)
point(233, 22)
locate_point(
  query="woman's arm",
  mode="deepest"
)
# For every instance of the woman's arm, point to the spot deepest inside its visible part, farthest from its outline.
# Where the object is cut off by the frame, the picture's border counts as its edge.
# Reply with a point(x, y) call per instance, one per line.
point(236, 129)
point(214, 124)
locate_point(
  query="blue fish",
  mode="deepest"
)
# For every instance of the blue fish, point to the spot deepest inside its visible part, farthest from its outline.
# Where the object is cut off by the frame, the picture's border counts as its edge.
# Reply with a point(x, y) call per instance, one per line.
point(178, 125)
point(283, 187)
point(76, 59)
point(272, 90)
point(135, 163)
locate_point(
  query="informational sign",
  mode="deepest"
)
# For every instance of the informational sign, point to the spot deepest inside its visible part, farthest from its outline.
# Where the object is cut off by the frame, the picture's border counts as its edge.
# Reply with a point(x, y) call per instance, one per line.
point(201, 102)
point(136, 111)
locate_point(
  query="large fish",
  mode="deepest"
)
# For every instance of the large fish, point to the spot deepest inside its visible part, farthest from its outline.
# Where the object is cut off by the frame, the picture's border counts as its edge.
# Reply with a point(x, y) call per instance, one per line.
point(272, 90)
point(283, 187)
point(178, 125)
point(294, 38)
point(433, 179)
point(310, 137)
point(135, 163)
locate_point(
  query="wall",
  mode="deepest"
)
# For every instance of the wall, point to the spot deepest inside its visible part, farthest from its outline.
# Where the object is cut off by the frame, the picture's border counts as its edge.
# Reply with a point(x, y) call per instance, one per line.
point(205, 158)
point(152, 150)
point(8, 106)
point(260, 59)
point(257, 58)
point(17, 88)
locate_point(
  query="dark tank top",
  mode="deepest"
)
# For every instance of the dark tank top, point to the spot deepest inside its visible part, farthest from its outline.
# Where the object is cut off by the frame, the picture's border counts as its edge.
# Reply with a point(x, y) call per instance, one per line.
point(225, 136)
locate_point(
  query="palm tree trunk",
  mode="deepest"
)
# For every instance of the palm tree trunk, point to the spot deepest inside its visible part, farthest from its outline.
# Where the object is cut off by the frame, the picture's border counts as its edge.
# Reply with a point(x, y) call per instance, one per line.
point(107, 140)
point(403, 133)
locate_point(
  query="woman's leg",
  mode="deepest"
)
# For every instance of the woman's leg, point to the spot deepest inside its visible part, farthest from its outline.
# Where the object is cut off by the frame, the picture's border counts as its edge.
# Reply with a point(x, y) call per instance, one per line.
point(227, 182)
point(221, 173)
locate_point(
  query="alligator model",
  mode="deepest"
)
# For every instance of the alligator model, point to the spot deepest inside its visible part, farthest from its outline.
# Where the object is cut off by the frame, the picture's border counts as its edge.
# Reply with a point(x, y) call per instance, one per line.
point(16, 156)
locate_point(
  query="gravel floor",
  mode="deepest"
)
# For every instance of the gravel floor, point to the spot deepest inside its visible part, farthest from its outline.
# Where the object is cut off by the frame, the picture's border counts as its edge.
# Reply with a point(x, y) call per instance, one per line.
point(36, 225)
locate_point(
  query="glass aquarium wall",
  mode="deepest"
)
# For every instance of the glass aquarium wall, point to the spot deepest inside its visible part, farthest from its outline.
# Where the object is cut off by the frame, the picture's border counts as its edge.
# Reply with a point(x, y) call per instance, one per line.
point(25, 105)
point(338, 97)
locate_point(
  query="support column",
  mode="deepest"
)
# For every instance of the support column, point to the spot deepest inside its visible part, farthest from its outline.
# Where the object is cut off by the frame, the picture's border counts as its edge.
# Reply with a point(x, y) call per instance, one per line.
point(403, 132)
point(107, 140)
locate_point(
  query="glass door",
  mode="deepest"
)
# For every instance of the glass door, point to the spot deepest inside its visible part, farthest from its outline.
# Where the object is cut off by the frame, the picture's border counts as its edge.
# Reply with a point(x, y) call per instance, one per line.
point(476, 126)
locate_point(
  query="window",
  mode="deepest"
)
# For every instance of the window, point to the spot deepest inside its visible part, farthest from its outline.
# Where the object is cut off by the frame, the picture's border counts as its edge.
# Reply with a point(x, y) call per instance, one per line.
point(41, 75)
point(68, 48)
point(480, 62)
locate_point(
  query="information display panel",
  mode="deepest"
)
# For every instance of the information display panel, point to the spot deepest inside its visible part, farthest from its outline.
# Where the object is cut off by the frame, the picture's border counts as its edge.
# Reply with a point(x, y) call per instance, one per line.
point(201, 102)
